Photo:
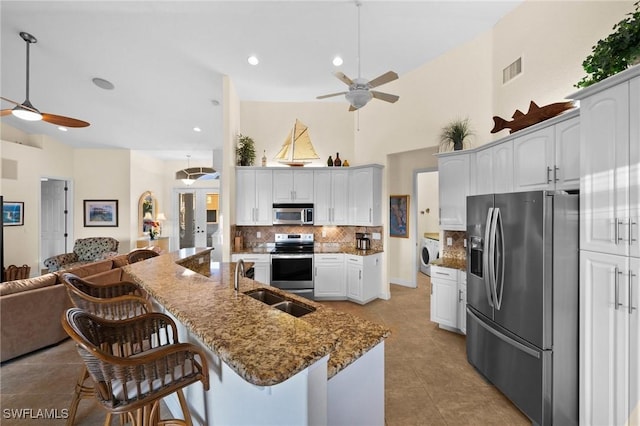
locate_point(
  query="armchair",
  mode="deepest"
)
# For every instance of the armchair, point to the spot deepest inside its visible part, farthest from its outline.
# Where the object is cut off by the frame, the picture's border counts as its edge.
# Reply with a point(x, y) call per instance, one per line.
point(85, 250)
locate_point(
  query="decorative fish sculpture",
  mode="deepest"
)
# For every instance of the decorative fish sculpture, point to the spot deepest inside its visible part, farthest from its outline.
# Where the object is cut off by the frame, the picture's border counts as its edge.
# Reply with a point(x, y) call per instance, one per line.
point(535, 115)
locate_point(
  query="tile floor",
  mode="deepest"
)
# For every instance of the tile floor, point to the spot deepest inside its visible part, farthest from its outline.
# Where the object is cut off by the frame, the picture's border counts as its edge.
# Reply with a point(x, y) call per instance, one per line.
point(428, 380)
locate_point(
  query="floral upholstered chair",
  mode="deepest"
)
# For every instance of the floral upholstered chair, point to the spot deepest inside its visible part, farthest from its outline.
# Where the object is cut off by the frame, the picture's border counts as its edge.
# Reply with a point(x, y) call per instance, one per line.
point(85, 250)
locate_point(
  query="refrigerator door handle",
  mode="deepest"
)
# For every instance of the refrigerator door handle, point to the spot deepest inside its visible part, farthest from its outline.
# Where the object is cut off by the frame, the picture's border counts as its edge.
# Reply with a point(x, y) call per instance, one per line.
point(500, 252)
point(492, 258)
point(504, 338)
point(486, 260)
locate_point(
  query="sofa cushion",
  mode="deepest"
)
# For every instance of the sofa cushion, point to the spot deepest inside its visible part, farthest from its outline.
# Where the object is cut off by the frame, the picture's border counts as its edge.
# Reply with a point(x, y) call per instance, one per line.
point(90, 268)
point(89, 249)
point(17, 286)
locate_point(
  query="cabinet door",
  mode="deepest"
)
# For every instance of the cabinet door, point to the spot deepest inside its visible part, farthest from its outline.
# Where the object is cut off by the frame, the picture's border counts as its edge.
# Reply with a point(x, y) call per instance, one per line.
point(444, 302)
point(329, 280)
point(302, 186)
point(361, 196)
point(604, 160)
point(354, 278)
point(462, 302)
point(261, 265)
point(282, 186)
point(263, 203)
point(322, 206)
point(372, 277)
point(604, 337)
point(634, 341)
point(453, 184)
point(634, 167)
point(245, 197)
point(567, 152)
point(533, 160)
point(340, 197)
point(503, 167)
point(484, 172)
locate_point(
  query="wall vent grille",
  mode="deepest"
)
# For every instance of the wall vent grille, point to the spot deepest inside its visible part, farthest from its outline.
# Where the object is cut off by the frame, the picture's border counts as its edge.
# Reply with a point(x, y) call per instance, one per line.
point(510, 72)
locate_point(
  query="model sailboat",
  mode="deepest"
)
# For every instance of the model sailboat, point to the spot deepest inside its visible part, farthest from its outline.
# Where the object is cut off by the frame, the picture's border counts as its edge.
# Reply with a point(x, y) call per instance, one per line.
point(297, 147)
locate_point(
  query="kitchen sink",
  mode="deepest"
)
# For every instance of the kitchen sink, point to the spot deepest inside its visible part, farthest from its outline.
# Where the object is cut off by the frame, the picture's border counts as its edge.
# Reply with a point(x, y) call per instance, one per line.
point(280, 302)
point(293, 308)
point(265, 296)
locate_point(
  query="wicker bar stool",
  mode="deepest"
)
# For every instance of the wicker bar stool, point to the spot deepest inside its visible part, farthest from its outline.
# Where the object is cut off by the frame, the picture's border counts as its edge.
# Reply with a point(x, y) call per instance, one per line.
point(141, 254)
point(136, 362)
point(115, 301)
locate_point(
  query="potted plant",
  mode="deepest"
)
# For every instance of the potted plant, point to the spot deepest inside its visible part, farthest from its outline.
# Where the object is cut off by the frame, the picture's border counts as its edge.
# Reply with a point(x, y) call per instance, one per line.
point(618, 51)
point(454, 134)
point(245, 151)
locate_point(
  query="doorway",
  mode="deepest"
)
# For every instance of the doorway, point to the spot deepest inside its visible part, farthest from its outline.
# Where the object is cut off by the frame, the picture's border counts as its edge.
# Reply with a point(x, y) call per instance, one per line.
point(198, 225)
point(426, 210)
point(55, 217)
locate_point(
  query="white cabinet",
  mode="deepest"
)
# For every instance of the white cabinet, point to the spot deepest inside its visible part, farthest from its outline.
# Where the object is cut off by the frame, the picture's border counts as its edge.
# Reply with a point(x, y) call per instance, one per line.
point(453, 171)
point(609, 185)
point(548, 158)
point(331, 197)
point(462, 302)
point(253, 197)
point(444, 296)
point(261, 265)
point(364, 277)
point(365, 196)
point(293, 186)
point(609, 253)
point(609, 335)
point(329, 277)
point(494, 169)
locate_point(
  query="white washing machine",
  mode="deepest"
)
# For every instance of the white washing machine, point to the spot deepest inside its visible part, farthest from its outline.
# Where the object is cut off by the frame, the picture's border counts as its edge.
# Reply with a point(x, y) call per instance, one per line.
point(429, 251)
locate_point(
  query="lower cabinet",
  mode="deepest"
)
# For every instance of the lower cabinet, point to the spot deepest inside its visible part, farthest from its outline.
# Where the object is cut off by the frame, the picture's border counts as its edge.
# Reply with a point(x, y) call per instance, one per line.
point(329, 277)
point(609, 339)
point(261, 265)
point(364, 277)
point(449, 298)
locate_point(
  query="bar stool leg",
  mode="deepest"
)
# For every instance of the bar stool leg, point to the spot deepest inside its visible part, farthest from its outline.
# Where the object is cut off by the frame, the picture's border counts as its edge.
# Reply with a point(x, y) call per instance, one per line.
point(81, 392)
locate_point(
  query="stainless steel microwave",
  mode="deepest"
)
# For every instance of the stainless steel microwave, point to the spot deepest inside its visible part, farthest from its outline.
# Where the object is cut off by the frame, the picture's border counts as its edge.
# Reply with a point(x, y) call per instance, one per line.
point(293, 214)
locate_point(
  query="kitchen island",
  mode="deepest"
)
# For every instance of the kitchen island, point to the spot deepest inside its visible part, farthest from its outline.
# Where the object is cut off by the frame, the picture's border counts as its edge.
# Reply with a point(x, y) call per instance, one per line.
point(266, 366)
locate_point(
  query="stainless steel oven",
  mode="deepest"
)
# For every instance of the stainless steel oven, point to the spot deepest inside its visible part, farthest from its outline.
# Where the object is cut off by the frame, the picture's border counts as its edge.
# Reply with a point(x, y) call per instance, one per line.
point(292, 264)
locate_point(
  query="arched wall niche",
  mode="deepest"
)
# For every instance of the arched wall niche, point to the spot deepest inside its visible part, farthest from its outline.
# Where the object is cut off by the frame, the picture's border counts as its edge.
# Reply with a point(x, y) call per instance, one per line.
point(147, 211)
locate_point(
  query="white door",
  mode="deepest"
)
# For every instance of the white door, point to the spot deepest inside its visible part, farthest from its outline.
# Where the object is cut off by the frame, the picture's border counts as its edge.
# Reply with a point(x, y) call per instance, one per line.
point(533, 160)
point(54, 229)
point(567, 167)
point(192, 229)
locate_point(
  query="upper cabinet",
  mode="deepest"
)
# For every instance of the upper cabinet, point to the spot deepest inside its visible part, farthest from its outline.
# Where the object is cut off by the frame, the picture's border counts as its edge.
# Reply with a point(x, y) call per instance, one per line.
point(548, 158)
point(331, 196)
point(365, 196)
point(254, 196)
point(494, 169)
point(453, 171)
point(293, 186)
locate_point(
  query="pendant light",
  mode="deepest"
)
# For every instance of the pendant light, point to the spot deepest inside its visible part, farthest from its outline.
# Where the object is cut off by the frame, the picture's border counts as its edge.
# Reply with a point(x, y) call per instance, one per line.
point(189, 175)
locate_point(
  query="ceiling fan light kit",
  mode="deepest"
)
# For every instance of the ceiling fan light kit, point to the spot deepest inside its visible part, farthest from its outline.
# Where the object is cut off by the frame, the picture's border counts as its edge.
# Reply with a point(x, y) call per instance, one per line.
point(359, 93)
point(26, 111)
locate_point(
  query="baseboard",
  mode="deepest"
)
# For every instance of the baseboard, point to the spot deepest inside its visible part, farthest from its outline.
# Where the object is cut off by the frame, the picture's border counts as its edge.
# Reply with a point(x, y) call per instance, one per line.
point(402, 282)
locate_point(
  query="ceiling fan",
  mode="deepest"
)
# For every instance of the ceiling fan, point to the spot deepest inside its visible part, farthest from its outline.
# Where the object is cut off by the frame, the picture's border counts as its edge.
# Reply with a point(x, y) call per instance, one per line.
point(27, 111)
point(360, 92)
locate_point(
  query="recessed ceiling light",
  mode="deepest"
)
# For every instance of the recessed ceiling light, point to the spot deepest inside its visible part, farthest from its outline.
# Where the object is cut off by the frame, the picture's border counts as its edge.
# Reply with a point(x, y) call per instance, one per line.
point(62, 128)
point(197, 129)
point(337, 61)
point(253, 60)
point(103, 84)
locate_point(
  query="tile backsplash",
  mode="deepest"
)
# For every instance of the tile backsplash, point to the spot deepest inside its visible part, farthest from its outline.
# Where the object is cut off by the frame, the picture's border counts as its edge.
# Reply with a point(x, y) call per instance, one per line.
point(457, 249)
point(344, 236)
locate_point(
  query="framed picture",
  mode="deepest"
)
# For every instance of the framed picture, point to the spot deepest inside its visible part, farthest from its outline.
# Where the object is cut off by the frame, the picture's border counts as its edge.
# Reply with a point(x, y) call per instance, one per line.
point(12, 213)
point(100, 213)
point(399, 216)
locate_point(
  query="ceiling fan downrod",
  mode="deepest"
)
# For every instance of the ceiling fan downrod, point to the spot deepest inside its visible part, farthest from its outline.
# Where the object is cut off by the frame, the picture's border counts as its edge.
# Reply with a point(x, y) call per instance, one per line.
point(26, 110)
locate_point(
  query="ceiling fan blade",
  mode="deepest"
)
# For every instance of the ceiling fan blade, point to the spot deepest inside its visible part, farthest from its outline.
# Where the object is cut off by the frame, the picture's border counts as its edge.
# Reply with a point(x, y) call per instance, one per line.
point(330, 95)
point(346, 80)
point(385, 96)
point(5, 112)
point(352, 108)
point(9, 100)
point(384, 78)
point(63, 121)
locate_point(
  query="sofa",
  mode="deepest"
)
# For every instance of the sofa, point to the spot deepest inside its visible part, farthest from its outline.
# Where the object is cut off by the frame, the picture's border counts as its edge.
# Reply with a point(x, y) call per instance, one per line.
point(85, 250)
point(31, 309)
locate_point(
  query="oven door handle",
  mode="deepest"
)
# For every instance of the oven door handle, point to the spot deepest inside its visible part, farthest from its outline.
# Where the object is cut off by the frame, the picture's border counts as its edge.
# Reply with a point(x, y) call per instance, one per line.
point(292, 256)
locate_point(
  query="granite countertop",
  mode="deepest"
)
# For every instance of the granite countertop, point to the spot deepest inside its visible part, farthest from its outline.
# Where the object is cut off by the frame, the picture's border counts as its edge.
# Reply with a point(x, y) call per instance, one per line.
point(432, 235)
point(318, 249)
point(451, 262)
point(260, 343)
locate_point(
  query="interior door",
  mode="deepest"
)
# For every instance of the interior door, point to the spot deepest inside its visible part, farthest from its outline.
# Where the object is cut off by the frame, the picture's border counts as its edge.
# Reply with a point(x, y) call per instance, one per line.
point(193, 229)
point(54, 218)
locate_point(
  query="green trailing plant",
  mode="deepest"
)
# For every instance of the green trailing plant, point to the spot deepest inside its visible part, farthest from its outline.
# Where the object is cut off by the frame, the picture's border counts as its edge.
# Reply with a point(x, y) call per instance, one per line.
point(616, 52)
point(454, 134)
point(245, 151)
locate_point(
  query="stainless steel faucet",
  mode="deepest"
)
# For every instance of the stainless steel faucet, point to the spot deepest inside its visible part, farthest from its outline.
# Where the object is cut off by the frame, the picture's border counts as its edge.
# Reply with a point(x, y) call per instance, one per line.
point(239, 270)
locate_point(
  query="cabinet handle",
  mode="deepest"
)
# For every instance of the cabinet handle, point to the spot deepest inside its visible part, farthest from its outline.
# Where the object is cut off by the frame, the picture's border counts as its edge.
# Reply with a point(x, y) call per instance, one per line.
point(617, 288)
point(359, 275)
point(459, 295)
point(316, 271)
point(555, 174)
point(616, 231)
point(631, 224)
point(548, 174)
point(631, 307)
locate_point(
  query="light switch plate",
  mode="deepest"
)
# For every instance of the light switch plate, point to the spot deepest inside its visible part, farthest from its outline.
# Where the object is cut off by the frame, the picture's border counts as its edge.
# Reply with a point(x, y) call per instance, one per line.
point(376, 236)
point(449, 241)
point(258, 234)
point(324, 233)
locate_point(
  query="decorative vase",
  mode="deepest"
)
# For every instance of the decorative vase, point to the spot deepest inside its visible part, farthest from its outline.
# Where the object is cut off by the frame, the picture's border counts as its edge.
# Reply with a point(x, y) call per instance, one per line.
point(337, 162)
point(330, 162)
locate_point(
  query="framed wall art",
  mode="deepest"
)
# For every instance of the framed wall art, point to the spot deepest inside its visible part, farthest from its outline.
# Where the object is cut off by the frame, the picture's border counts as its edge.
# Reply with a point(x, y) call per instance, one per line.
point(13, 213)
point(100, 213)
point(399, 216)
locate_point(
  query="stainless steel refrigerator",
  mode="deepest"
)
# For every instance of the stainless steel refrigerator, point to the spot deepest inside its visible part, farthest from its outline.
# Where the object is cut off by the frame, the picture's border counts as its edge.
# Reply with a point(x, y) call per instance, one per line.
point(522, 299)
